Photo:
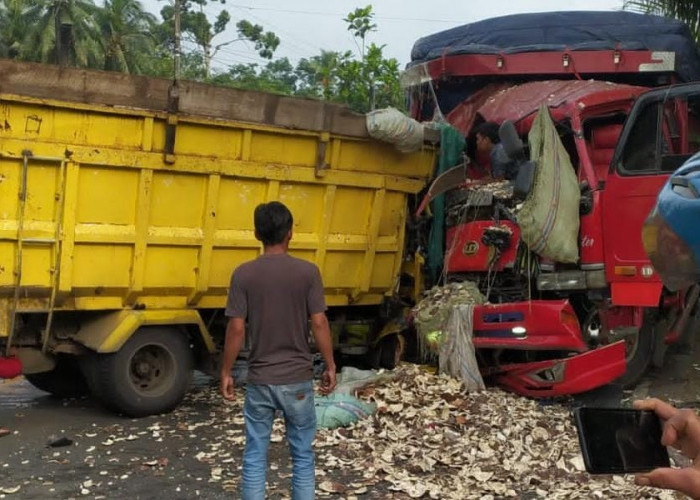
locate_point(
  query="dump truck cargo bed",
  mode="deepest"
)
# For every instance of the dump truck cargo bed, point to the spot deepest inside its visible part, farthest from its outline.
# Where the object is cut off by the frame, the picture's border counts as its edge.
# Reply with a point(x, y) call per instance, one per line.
point(97, 214)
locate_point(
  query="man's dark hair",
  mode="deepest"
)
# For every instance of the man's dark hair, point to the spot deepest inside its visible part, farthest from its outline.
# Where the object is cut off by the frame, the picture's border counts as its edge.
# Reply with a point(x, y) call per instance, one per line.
point(273, 221)
point(488, 129)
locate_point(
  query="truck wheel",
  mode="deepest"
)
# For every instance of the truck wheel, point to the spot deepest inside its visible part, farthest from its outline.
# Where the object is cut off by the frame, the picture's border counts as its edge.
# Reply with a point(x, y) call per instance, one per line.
point(639, 351)
point(64, 381)
point(150, 374)
point(389, 350)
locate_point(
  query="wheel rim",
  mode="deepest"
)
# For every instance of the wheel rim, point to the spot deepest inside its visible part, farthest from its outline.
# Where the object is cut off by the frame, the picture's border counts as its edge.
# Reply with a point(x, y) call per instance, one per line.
point(152, 370)
point(596, 337)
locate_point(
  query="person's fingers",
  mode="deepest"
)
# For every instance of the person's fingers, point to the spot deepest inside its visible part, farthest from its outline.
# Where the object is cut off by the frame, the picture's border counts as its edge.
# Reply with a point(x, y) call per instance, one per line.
point(686, 481)
point(670, 433)
point(661, 408)
point(683, 429)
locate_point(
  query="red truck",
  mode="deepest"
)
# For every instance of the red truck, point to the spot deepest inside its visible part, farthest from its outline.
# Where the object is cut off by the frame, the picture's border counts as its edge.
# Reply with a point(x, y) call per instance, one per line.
point(551, 328)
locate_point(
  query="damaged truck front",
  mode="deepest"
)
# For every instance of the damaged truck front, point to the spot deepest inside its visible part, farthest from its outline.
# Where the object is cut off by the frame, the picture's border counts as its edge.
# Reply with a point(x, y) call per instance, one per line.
point(561, 326)
point(123, 217)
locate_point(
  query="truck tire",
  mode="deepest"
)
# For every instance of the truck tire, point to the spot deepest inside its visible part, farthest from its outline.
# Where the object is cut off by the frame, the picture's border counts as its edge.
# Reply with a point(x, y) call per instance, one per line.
point(639, 353)
point(64, 381)
point(149, 375)
point(387, 353)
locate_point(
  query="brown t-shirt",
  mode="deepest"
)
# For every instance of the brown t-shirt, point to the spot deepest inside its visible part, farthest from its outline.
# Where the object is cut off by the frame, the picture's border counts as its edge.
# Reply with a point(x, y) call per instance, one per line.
point(277, 294)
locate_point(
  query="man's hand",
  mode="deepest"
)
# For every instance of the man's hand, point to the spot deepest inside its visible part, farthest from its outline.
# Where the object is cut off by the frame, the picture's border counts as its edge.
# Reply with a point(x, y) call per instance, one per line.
point(227, 387)
point(681, 429)
point(328, 381)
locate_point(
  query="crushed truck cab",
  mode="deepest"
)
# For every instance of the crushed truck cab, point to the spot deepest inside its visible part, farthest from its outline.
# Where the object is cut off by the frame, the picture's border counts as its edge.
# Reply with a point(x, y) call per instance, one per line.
point(553, 326)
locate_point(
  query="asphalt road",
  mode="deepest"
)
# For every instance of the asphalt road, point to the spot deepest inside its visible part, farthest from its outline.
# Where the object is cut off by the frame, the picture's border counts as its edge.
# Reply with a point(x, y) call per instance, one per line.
point(168, 456)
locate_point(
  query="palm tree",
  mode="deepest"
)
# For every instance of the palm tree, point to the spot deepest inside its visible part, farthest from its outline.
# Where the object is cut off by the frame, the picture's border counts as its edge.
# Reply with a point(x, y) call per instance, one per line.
point(683, 10)
point(125, 29)
point(64, 31)
point(14, 22)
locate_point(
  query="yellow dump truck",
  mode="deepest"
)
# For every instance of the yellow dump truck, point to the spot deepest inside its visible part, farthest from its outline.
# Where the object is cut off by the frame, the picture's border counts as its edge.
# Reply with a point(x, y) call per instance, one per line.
point(126, 203)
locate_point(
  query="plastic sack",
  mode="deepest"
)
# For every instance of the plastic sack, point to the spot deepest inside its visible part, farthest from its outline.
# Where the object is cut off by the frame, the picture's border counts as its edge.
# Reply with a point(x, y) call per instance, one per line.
point(350, 379)
point(457, 357)
point(340, 410)
point(392, 126)
point(549, 217)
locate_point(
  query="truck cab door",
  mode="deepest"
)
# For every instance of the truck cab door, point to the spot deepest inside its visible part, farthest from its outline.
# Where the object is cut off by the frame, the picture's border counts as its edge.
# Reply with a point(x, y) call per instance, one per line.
point(661, 132)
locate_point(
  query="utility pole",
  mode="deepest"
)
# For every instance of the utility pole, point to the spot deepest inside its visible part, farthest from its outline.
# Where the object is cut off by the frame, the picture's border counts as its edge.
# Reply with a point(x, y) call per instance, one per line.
point(177, 42)
point(173, 95)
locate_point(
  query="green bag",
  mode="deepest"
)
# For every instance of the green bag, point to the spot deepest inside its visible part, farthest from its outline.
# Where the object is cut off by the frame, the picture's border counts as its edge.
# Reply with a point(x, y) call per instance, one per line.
point(549, 216)
point(340, 410)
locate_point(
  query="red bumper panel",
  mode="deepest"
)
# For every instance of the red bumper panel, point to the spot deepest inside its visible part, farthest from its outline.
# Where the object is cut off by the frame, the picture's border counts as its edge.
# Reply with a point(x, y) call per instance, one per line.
point(534, 325)
point(559, 377)
point(466, 252)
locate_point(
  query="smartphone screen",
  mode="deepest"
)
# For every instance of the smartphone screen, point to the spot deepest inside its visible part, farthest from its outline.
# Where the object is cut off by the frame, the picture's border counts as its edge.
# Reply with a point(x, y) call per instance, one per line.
point(620, 440)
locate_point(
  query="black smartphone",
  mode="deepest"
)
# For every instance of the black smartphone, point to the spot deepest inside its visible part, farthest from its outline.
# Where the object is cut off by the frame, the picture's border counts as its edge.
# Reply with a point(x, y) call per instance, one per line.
point(620, 440)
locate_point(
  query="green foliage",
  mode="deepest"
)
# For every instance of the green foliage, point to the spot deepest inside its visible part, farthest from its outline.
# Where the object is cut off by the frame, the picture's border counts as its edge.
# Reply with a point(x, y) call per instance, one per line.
point(687, 11)
point(121, 36)
point(125, 29)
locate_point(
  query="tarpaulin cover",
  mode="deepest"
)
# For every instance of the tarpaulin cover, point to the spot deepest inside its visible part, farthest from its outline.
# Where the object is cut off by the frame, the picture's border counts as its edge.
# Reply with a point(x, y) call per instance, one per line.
point(451, 146)
point(556, 31)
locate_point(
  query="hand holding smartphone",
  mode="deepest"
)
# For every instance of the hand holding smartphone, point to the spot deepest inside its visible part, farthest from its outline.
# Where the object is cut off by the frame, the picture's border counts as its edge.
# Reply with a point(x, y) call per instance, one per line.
point(620, 440)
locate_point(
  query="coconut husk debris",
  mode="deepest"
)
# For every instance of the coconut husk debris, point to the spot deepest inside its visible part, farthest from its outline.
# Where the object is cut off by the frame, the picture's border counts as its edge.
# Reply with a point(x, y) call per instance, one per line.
point(428, 439)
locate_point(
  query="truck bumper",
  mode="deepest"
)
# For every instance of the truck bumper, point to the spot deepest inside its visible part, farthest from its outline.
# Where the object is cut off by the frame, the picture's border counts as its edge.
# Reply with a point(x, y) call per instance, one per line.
point(535, 325)
point(544, 325)
point(559, 377)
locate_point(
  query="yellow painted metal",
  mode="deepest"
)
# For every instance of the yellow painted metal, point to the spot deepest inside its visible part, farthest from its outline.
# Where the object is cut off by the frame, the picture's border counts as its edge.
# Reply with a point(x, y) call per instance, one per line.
point(137, 232)
point(109, 332)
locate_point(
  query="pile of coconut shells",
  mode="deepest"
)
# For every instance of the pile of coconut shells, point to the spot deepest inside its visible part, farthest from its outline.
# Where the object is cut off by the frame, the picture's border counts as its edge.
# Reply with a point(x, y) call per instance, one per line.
point(431, 313)
point(430, 439)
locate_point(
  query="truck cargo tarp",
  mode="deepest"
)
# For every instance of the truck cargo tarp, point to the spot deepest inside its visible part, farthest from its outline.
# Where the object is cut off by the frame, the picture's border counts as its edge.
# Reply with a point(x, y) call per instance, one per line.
point(557, 31)
point(451, 147)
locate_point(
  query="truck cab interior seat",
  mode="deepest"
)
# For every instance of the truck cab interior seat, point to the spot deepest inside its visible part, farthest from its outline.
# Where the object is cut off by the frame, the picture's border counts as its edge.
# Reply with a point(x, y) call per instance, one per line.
point(602, 146)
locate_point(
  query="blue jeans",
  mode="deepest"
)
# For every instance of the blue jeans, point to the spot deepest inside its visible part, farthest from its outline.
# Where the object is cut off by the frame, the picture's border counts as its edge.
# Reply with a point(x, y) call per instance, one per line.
point(296, 401)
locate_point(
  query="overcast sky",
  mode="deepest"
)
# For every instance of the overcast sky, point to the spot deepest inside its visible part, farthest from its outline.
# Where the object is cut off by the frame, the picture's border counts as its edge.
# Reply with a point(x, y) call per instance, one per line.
point(307, 26)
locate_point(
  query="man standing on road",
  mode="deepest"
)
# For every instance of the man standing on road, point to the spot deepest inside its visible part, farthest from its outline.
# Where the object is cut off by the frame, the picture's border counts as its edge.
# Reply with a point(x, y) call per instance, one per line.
point(277, 294)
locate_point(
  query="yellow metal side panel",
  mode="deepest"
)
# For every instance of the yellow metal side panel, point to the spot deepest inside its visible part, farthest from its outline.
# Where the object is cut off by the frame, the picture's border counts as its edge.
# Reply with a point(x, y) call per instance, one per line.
point(351, 211)
point(342, 269)
point(393, 215)
point(7, 263)
point(170, 267)
point(305, 201)
point(107, 195)
point(177, 200)
point(101, 266)
point(73, 126)
point(286, 150)
point(358, 156)
point(36, 266)
point(208, 141)
point(42, 186)
point(9, 187)
point(383, 271)
point(237, 200)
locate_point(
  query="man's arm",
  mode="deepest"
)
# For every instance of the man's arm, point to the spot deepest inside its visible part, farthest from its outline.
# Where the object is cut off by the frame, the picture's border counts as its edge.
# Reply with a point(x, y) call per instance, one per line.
point(324, 343)
point(235, 335)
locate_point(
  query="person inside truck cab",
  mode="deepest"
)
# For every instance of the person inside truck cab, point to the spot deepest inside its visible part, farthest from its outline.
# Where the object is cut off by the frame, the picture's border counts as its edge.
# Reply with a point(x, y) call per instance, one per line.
point(489, 143)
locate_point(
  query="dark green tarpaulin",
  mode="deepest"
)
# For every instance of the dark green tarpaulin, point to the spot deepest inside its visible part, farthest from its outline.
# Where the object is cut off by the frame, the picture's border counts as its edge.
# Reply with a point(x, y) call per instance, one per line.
point(451, 147)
